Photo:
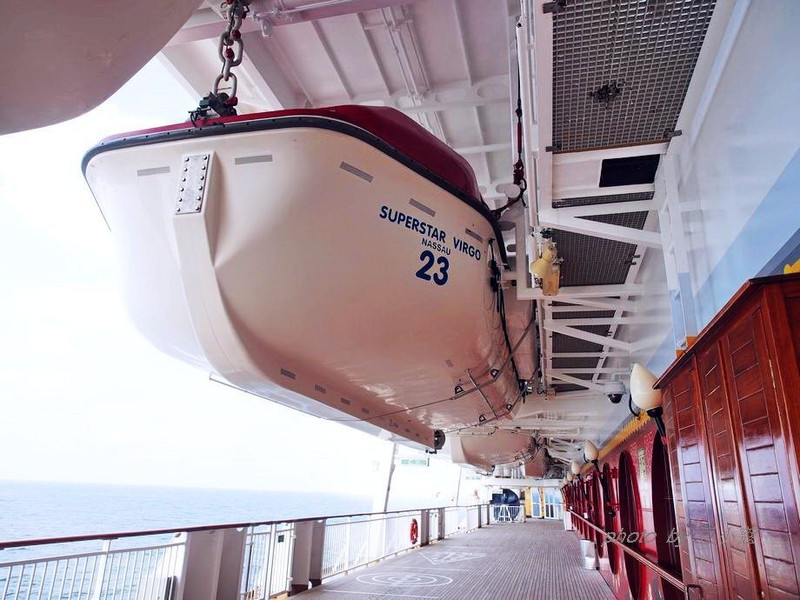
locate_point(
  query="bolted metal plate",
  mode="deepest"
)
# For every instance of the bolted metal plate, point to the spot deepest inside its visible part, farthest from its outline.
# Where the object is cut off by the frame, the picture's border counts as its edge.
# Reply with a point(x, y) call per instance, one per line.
point(194, 176)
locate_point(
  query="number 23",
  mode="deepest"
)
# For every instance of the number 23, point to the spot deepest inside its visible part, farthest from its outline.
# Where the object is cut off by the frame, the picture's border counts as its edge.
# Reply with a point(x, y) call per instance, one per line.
point(439, 278)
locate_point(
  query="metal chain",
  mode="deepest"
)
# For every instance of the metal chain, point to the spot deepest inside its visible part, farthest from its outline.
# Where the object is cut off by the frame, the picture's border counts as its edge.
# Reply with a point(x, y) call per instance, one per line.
point(236, 11)
point(230, 50)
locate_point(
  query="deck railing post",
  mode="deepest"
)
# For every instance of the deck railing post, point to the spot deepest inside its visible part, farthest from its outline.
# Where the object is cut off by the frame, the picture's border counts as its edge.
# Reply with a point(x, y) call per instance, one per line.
point(440, 535)
point(231, 562)
point(305, 546)
point(99, 575)
point(424, 527)
point(317, 552)
point(214, 564)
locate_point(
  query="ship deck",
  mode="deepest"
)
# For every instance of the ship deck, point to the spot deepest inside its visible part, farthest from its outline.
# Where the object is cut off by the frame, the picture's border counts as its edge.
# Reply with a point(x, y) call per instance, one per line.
point(531, 561)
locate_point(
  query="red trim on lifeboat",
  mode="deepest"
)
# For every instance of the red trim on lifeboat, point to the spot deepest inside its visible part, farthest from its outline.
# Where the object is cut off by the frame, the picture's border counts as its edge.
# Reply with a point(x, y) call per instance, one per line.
point(392, 126)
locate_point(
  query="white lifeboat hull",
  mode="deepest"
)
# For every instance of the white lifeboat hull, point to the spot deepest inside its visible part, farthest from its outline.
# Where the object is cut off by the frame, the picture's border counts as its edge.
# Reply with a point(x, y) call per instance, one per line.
point(61, 59)
point(308, 267)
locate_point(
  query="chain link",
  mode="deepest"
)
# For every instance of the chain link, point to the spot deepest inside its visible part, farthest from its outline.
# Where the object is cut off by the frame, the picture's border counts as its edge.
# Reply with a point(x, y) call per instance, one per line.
point(231, 45)
point(230, 49)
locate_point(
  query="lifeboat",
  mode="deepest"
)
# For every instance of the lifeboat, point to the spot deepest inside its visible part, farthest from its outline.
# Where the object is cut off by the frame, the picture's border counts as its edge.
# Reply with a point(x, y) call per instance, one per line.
point(65, 58)
point(339, 261)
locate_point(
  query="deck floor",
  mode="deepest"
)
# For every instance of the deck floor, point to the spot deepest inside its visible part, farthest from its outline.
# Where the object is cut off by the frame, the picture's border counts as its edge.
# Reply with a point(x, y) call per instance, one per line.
point(536, 560)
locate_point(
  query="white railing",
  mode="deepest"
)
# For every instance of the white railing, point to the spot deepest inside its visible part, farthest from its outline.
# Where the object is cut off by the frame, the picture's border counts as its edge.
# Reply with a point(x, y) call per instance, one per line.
point(433, 525)
point(267, 564)
point(255, 561)
point(131, 573)
point(356, 541)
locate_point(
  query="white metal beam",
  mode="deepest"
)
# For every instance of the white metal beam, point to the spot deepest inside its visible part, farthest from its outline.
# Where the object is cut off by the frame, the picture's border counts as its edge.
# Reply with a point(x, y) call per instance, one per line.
point(552, 218)
point(334, 63)
point(589, 291)
point(597, 355)
point(637, 320)
point(614, 208)
point(580, 304)
point(583, 191)
point(483, 148)
point(374, 54)
point(263, 61)
point(620, 152)
point(587, 336)
point(603, 370)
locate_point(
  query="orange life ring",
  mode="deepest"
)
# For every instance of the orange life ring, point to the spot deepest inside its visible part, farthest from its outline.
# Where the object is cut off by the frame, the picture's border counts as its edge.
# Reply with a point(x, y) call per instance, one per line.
point(414, 531)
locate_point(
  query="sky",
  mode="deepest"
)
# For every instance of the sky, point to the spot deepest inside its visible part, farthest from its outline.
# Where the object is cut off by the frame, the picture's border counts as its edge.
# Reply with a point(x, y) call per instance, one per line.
point(83, 396)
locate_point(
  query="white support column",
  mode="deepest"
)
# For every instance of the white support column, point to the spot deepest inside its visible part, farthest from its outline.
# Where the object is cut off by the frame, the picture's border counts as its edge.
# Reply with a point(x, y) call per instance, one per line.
point(213, 564)
point(676, 255)
point(424, 527)
point(307, 557)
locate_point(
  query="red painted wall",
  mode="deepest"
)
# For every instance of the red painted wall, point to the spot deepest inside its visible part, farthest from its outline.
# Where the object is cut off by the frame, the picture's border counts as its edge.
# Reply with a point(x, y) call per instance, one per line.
point(639, 448)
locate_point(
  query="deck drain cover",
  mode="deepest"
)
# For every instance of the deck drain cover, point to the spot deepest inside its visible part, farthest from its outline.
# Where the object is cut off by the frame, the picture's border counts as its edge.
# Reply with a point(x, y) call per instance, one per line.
point(405, 579)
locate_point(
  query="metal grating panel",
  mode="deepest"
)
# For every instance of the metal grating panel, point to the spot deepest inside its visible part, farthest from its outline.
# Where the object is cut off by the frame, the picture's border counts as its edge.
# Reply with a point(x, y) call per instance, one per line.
point(584, 314)
point(590, 260)
point(566, 343)
point(592, 200)
point(648, 47)
point(574, 363)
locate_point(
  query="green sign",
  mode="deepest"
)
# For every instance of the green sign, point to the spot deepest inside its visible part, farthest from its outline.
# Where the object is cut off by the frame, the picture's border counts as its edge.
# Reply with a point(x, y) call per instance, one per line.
point(414, 462)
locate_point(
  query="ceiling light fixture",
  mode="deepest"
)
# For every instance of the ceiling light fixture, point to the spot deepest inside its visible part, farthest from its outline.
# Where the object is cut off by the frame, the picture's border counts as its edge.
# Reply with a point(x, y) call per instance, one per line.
point(646, 397)
point(590, 453)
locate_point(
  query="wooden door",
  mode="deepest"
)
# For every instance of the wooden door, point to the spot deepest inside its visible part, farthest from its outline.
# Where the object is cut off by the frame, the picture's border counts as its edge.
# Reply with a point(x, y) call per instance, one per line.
point(700, 553)
point(763, 448)
point(734, 522)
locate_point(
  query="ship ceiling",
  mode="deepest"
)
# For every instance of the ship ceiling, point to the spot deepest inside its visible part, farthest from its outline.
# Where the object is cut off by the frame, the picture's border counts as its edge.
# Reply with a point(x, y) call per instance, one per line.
point(613, 79)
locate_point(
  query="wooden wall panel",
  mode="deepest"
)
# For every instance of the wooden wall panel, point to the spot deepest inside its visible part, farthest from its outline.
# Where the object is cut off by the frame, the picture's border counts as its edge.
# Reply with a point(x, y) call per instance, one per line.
point(727, 477)
point(763, 448)
point(700, 552)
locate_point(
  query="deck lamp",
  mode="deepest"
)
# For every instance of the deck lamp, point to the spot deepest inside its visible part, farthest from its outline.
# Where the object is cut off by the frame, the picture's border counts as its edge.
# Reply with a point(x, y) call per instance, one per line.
point(590, 453)
point(645, 397)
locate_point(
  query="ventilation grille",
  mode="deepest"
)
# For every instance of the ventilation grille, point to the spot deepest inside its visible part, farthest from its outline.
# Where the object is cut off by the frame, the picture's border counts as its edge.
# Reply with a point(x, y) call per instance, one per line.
point(649, 48)
point(590, 260)
point(566, 343)
point(584, 314)
point(592, 200)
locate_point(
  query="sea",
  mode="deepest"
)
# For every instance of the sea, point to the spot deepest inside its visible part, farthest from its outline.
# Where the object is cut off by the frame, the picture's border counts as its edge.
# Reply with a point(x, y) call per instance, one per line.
point(36, 510)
